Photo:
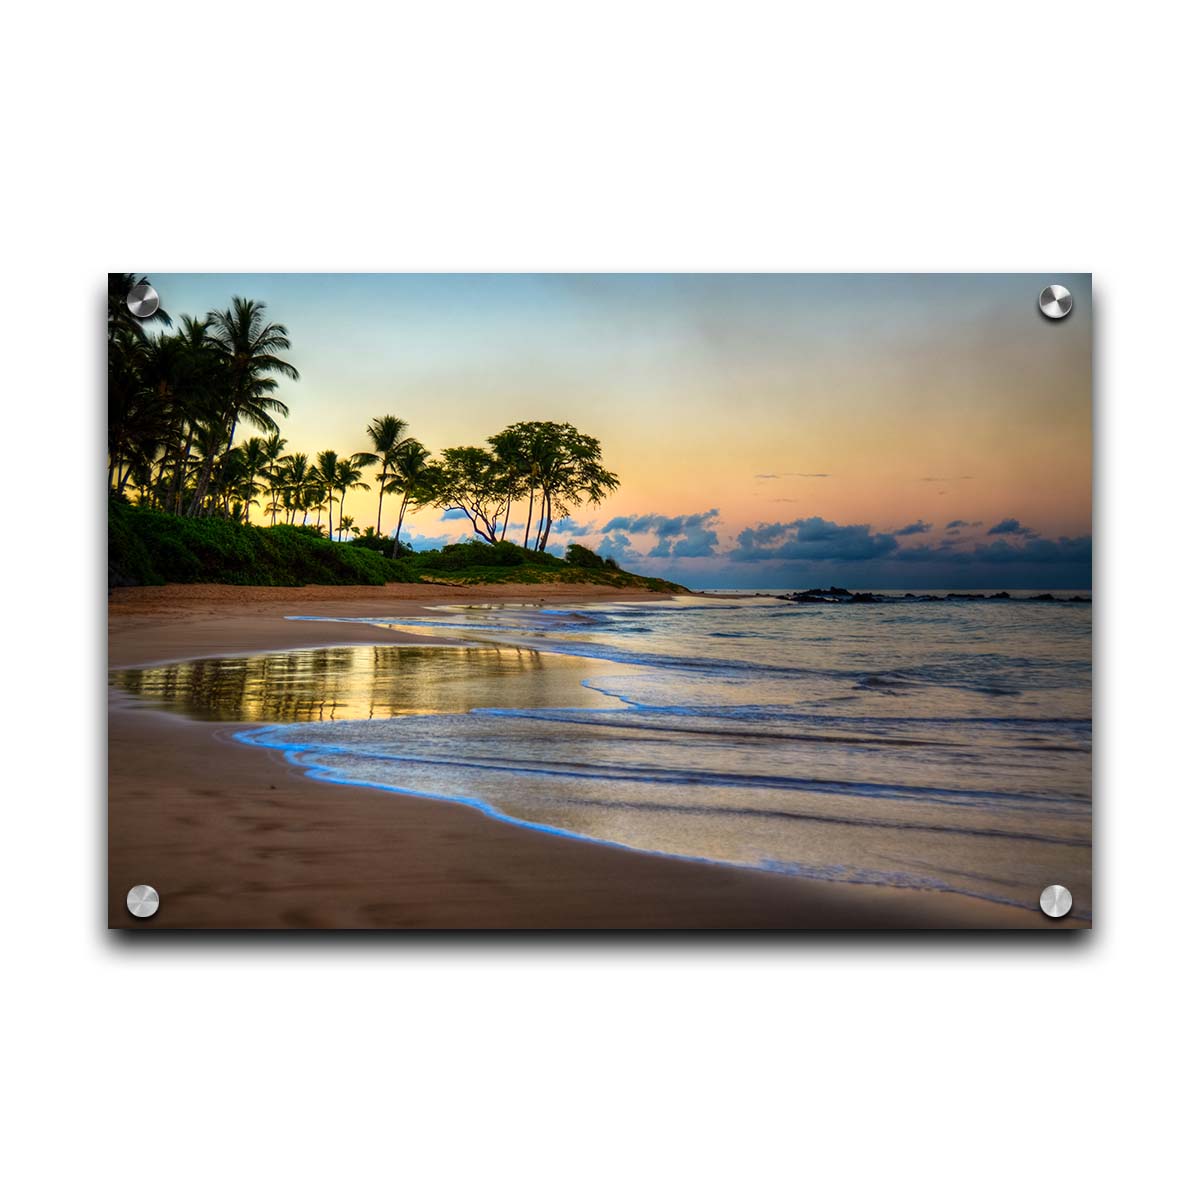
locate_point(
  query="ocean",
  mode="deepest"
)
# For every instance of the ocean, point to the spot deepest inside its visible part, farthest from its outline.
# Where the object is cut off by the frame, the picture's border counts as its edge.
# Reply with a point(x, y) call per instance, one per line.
point(938, 745)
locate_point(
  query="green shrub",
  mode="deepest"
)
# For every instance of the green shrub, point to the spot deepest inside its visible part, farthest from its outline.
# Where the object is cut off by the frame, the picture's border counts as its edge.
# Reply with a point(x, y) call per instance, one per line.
point(470, 556)
point(148, 547)
point(581, 556)
point(374, 541)
point(128, 560)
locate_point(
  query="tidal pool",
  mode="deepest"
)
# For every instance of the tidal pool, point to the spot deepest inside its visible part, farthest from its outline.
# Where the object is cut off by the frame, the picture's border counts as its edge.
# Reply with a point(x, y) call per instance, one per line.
point(350, 683)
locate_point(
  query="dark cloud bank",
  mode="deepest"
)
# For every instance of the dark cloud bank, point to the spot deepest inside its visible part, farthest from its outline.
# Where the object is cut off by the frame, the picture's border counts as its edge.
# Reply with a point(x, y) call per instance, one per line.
point(1013, 526)
point(813, 551)
point(689, 536)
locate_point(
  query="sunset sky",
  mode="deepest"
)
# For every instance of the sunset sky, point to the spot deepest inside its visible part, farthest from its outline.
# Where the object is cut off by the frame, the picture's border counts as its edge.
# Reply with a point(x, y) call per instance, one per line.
point(882, 431)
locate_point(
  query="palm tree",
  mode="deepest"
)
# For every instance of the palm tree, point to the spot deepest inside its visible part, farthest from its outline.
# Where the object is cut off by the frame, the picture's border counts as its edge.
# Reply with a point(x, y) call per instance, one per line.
point(235, 480)
point(138, 408)
point(254, 464)
point(409, 468)
point(349, 475)
point(273, 452)
point(250, 349)
point(326, 474)
point(386, 434)
point(292, 480)
point(313, 497)
point(198, 396)
point(207, 442)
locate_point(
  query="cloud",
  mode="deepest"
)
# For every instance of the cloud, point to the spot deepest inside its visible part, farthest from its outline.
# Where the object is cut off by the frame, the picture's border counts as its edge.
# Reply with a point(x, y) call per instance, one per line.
point(695, 543)
point(420, 541)
point(453, 514)
point(1037, 550)
point(570, 525)
point(797, 475)
point(816, 540)
point(962, 524)
point(664, 526)
point(812, 539)
point(689, 535)
point(944, 478)
point(1043, 551)
point(614, 545)
point(1011, 525)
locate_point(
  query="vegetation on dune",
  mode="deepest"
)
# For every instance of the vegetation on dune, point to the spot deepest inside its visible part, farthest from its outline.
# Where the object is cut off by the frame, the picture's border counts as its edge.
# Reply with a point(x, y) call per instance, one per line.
point(506, 562)
point(146, 546)
point(182, 489)
point(150, 547)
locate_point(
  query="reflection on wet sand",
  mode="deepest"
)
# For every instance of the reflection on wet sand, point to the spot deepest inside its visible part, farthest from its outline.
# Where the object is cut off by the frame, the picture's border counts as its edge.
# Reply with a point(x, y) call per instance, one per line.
point(362, 682)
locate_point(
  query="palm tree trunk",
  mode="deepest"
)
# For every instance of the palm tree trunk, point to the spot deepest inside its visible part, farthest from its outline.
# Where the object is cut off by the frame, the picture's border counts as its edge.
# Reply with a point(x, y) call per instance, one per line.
point(400, 524)
point(181, 471)
point(379, 515)
point(537, 541)
point(202, 486)
point(549, 499)
point(162, 472)
point(528, 518)
point(233, 430)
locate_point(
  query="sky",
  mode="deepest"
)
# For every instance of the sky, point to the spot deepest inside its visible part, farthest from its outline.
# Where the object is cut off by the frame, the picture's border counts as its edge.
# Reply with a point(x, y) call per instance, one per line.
point(774, 431)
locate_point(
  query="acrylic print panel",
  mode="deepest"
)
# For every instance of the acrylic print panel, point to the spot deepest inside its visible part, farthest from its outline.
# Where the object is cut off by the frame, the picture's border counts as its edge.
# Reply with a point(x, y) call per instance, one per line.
point(599, 601)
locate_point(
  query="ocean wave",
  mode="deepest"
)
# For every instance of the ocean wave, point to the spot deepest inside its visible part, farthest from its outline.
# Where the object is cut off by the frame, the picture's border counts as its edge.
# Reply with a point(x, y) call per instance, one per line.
point(941, 746)
point(347, 757)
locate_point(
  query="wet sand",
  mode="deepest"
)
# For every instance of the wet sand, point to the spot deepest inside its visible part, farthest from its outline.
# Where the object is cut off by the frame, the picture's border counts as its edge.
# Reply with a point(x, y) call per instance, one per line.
point(234, 837)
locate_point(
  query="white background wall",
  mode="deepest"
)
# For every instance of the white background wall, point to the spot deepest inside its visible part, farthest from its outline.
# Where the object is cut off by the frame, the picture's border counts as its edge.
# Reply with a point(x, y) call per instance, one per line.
point(607, 136)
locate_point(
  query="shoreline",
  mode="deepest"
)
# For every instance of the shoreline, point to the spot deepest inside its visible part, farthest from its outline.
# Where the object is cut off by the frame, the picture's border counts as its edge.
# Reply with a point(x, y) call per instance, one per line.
point(237, 837)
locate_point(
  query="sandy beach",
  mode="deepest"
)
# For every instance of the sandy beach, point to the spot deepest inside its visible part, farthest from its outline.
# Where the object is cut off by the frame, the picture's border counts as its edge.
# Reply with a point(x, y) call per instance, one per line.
point(235, 837)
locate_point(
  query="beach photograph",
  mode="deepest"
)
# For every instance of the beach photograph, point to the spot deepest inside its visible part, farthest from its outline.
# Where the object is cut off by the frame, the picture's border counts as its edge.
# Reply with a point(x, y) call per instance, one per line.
point(638, 655)
point(599, 602)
